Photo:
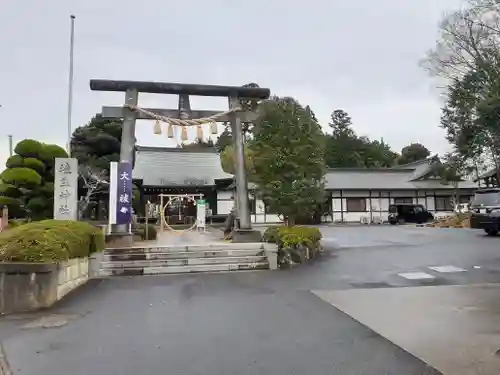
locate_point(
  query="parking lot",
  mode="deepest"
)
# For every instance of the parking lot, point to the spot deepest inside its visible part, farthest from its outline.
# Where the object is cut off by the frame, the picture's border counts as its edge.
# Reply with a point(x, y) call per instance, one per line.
point(263, 321)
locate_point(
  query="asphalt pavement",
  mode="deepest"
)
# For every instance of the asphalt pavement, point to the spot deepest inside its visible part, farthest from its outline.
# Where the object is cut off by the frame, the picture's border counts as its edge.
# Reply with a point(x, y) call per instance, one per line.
point(262, 322)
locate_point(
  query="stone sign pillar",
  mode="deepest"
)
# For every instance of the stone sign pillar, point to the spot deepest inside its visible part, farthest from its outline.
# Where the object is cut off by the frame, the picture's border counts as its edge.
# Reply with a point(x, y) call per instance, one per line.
point(66, 189)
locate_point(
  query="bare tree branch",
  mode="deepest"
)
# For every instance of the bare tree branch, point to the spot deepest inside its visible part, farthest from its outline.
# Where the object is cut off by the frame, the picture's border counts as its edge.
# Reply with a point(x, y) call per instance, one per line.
point(94, 182)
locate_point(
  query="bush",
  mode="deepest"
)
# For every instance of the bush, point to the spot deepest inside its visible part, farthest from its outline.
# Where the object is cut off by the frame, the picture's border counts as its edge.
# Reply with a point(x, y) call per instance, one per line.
point(141, 231)
point(10, 191)
point(295, 244)
point(39, 208)
point(34, 164)
point(11, 203)
point(14, 223)
point(14, 161)
point(47, 190)
point(49, 152)
point(28, 148)
point(21, 176)
point(50, 241)
point(14, 205)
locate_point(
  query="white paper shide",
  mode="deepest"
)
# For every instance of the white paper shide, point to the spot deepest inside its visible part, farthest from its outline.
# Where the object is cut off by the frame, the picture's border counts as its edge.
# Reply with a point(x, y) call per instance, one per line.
point(66, 189)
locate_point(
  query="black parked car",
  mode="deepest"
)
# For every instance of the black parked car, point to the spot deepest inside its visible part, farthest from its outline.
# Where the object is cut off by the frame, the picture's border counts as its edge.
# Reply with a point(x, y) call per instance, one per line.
point(409, 213)
point(485, 211)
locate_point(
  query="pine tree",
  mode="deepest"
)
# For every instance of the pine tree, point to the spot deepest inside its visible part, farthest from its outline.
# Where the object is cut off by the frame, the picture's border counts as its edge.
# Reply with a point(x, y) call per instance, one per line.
point(288, 158)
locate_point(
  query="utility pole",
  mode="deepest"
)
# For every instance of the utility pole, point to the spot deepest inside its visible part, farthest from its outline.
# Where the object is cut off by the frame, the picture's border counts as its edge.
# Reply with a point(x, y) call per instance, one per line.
point(70, 83)
point(10, 145)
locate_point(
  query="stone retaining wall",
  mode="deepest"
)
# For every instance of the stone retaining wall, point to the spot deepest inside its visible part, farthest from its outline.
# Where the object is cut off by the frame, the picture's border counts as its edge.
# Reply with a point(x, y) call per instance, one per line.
point(31, 286)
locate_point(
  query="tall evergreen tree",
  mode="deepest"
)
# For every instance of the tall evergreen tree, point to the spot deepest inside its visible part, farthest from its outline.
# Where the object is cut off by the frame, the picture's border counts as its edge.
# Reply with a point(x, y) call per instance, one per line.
point(288, 158)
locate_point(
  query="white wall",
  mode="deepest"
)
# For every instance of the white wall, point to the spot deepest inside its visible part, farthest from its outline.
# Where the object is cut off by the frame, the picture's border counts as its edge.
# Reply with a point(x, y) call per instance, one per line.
point(378, 205)
point(225, 202)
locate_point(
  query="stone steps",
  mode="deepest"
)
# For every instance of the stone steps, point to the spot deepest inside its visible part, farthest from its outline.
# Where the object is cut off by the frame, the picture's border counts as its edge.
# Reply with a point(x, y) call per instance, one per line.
point(184, 269)
point(187, 259)
point(181, 262)
point(223, 246)
point(155, 256)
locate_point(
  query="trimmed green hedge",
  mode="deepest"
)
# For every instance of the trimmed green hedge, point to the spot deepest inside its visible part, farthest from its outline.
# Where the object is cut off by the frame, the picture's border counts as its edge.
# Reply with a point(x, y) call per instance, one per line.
point(295, 244)
point(34, 164)
point(28, 148)
point(21, 176)
point(14, 161)
point(49, 152)
point(9, 191)
point(50, 241)
point(13, 204)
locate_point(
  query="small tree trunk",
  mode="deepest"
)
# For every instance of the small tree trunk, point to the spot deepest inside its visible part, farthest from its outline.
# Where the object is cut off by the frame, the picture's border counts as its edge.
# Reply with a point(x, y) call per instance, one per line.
point(290, 221)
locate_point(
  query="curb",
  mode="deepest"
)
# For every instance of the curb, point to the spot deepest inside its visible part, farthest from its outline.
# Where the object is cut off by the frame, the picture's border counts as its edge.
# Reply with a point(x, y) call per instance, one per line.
point(4, 364)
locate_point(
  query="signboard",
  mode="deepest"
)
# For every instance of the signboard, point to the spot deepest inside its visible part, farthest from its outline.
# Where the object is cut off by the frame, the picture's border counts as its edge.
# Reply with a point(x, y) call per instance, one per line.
point(66, 189)
point(120, 197)
point(201, 212)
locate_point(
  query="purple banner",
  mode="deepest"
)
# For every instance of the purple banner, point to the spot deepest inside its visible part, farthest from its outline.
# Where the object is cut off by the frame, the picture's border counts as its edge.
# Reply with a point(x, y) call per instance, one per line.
point(124, 194)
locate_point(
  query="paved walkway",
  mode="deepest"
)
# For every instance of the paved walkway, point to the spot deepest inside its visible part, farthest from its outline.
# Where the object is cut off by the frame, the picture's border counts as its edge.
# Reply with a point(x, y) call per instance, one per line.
point(454, 328)
point(219, 324)
point(271, 323)
point(169, 238)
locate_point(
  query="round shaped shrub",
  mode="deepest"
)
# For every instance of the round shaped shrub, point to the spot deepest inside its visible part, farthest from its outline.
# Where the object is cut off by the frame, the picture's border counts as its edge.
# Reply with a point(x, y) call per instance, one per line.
point(9, 202)
point(37, 204)
point(50, 241)
point(34, 164)
point(14, 161)
point(28, 148)
point(47, 189)
point(49, 152)
point(21, 176)
point(14, 206)
point(10, 191)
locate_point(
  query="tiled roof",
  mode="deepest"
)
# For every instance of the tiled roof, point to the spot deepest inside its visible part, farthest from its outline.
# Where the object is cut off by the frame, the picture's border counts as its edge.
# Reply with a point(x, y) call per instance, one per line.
point(161, 166)
point(401, 177)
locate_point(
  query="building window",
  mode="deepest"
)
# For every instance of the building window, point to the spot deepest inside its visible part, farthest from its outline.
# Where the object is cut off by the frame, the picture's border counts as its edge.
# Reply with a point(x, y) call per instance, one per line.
point(405, 200)
point(356, 204)
point(443, 204)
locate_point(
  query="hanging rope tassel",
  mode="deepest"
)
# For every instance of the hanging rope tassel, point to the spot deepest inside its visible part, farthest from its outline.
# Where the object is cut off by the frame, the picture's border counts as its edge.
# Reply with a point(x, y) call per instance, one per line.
point(213, 127)
point(170, 132)
point(199, 132)
point(184, 134)
point(157, 128)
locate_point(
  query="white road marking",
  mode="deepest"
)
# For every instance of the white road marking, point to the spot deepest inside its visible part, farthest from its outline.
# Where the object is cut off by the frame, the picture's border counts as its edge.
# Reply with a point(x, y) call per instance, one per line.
point(447, 269)
point(416, 275)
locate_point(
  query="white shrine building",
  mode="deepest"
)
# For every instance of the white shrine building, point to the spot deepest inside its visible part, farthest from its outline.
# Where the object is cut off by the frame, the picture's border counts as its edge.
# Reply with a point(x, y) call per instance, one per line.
point(352, 193)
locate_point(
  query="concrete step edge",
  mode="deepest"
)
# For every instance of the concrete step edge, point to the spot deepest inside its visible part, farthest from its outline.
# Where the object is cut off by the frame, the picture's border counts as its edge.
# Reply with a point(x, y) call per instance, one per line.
point(187, 254)
point(184, 269)
point(179, 262)
point(196, 247)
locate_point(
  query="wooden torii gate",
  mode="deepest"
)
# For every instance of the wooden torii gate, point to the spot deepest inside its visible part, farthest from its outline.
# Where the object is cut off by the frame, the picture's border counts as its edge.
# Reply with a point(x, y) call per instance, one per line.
point(130, 113)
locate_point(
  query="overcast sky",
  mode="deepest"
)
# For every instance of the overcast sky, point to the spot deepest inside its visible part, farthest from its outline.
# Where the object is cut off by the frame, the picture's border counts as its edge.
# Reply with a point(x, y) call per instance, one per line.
point(361, 56)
